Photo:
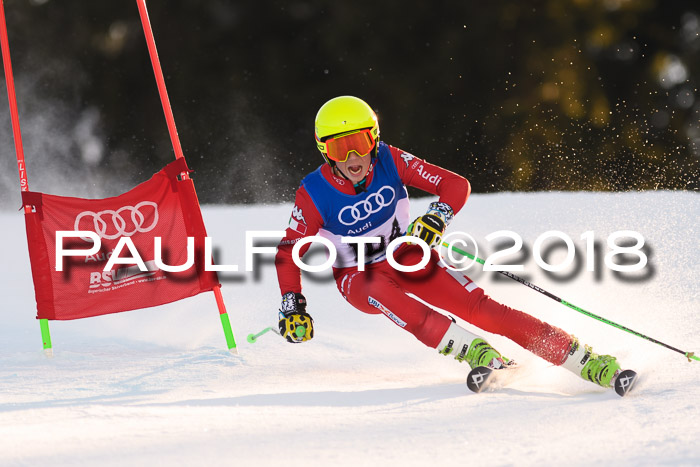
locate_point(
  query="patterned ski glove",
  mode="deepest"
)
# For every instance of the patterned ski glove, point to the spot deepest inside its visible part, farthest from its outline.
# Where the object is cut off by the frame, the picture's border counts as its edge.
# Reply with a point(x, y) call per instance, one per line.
point(295, 323)
point(431, 226)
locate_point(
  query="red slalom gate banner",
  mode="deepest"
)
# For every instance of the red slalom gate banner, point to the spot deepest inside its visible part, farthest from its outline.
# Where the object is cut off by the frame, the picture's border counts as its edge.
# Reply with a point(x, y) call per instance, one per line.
point(164, 206)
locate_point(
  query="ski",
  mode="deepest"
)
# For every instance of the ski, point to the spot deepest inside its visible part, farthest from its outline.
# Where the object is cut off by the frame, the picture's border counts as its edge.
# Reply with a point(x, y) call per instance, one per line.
point(625, 381)
point(478, 378)
point(482, 377)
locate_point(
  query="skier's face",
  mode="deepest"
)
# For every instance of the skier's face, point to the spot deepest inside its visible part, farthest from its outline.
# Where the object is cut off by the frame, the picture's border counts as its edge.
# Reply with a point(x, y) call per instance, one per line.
point(356, 167)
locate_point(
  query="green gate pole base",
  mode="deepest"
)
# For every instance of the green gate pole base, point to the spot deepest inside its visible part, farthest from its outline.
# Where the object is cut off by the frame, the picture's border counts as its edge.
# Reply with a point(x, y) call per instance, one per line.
point(230, 341)
point(46, 337)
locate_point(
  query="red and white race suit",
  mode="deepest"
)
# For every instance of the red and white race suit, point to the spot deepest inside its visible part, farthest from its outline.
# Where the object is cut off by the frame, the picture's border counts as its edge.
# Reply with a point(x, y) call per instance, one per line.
point(327, 205)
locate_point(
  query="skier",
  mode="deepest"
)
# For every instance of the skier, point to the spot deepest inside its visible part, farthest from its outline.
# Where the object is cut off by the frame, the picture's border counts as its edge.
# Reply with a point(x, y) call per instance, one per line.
point(360, 191)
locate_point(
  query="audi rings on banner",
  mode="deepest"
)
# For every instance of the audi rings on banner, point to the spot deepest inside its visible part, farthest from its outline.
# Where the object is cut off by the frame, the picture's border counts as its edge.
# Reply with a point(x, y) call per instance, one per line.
point(361, 210)
point(110, 225)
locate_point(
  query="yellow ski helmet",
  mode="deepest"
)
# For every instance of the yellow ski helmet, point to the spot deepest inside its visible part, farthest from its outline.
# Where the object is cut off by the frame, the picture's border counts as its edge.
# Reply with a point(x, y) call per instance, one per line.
point(345, 115)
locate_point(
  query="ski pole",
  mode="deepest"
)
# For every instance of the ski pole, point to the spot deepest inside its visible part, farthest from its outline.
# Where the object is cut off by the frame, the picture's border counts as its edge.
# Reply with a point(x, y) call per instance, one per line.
point(252, 338)
point(689, 355)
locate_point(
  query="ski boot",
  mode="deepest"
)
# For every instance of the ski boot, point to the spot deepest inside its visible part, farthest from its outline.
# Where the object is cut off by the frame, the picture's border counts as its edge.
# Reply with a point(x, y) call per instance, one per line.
point(467, 347)
point(603, 370)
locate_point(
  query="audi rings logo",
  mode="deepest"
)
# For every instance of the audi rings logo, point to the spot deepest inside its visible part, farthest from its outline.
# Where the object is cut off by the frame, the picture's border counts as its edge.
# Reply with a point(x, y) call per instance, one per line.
point(361, 210)
point(110, 224)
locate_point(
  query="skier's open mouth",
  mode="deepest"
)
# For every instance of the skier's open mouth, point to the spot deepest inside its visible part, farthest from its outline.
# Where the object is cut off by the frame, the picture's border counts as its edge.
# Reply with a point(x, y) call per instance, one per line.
point(355, 169)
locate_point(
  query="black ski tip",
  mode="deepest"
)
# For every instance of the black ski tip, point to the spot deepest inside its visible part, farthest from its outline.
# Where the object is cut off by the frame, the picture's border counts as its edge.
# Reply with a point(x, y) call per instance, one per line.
point(477, 379)
point(624, 382)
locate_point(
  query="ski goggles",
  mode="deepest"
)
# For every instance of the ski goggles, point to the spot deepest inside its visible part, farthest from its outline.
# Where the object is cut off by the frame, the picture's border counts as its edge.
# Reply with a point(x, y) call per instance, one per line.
point(338, 148)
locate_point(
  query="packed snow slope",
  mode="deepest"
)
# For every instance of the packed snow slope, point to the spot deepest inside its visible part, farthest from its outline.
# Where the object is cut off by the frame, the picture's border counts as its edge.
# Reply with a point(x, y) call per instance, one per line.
point(158, 387)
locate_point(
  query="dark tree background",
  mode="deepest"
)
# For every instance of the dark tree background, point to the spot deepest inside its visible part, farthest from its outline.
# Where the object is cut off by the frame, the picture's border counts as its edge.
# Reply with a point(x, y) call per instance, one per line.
point(514, 95)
